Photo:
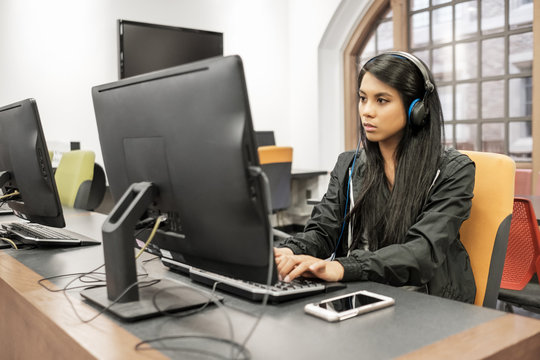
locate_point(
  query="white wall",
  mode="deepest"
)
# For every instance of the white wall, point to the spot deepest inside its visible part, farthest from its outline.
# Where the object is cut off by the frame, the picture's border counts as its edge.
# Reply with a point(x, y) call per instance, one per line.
point(308, 22)
point(56, 50)
point(330, 78)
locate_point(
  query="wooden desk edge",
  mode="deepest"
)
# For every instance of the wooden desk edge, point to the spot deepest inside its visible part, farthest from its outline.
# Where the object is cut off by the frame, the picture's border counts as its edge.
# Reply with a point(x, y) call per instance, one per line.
point(507, 337)
point(37, 323)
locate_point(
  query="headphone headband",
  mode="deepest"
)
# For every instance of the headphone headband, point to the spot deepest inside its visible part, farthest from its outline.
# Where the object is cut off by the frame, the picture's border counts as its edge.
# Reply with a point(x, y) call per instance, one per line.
point(428, 85)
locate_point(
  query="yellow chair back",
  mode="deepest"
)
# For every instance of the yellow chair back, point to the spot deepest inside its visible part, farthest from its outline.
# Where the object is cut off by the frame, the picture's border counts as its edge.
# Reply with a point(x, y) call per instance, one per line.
point(75, 167)
point(485, 233)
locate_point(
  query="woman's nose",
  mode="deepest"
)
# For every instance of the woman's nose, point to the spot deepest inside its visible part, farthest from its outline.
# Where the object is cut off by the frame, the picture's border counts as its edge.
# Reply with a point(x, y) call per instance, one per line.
point(365, 108)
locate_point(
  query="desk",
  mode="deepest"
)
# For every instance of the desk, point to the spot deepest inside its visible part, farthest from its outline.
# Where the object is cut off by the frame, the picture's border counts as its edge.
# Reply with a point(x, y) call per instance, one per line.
point(304, 173)
point(304, 186)
point(418, 326)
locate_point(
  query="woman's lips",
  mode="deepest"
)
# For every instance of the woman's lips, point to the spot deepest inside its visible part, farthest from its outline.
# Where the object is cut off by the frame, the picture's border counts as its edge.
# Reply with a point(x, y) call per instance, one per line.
point(369, 127)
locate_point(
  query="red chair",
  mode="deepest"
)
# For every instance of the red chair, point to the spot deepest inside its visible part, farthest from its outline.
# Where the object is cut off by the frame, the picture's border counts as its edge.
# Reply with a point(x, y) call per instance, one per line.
point(518, 285)
point(523, 252)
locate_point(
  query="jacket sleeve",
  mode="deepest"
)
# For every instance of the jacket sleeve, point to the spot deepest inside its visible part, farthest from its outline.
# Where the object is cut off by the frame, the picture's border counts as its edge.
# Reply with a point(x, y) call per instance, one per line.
point(414, 261)
point(324, 227)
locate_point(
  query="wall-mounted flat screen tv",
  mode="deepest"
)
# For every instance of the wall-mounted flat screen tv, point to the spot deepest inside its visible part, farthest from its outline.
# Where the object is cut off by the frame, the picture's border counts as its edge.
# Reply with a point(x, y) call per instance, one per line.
point(147, 47)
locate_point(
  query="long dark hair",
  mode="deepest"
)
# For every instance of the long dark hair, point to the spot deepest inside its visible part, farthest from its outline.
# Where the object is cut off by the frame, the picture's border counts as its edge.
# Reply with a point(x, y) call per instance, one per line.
point(385, 220)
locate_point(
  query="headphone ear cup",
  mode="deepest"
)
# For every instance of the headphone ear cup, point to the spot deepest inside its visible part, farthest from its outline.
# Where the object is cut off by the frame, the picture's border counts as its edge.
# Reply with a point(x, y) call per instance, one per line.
point(417, 113)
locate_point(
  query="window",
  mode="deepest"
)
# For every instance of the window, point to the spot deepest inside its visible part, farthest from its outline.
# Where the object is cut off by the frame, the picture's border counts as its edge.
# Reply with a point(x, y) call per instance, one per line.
point(381, 40)
point(481, 55)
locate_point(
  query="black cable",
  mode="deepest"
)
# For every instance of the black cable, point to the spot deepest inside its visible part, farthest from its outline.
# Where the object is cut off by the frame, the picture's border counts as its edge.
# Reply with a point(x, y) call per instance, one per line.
point(113, 302)
point(211, 298)
point(66, 287)
point(237, 349)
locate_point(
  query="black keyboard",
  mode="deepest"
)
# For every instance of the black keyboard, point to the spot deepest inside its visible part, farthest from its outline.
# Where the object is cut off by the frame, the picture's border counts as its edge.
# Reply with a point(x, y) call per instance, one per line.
point(278, 292)
point(38, 231)
point(33, 233)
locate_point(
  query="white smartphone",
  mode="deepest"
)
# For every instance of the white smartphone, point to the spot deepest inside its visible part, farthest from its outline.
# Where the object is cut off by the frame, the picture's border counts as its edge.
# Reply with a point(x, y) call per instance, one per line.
point(349, 305)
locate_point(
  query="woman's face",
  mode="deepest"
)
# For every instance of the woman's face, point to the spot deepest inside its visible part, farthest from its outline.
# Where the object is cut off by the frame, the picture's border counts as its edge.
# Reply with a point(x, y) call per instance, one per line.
point(381, 111)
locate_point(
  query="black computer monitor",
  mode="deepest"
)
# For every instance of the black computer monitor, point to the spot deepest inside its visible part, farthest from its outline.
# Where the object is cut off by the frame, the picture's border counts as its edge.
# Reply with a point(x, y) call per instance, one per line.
point(25, 166)
point(145, 47)
point(180, 142)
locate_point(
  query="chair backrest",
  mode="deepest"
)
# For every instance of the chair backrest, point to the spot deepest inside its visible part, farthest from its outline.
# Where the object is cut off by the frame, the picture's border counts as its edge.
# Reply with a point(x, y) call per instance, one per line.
point(276, 162)
point(74, 169)
point(485, 233)
point(523, 246)
point(523, 182)
point(265, 138)
point(96, 190)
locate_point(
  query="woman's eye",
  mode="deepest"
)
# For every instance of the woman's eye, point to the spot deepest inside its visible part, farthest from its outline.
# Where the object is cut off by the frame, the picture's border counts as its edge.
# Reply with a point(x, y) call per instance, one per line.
point(362, 98)
point(382, 101)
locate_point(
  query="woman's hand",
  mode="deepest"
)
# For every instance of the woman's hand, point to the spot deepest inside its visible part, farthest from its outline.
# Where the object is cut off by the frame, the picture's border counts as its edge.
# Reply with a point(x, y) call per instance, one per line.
point(291, 266)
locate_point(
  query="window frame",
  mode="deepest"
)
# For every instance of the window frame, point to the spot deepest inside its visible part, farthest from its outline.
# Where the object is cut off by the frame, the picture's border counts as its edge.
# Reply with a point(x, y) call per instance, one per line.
point(375, 11)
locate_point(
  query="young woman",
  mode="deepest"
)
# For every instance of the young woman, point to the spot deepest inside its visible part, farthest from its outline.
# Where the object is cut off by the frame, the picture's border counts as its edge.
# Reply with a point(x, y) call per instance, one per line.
point(394, 207)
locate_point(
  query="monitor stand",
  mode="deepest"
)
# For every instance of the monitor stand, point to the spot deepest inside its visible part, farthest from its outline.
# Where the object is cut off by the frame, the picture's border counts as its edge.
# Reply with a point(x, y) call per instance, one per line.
point(170, 297)
point(135, 303)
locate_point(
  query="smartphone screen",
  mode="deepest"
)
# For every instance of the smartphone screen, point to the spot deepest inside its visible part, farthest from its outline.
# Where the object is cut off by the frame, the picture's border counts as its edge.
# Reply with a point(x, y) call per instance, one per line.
point(348, 303)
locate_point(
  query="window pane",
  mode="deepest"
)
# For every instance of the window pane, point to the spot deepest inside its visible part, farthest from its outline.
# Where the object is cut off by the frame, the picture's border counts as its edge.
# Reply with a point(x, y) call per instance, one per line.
point(466, 61)
point(442, 67)
point(492, 15)
point(438, 2)
point(493, 137)
point(448, 135)
point(368, 53)
point(520, 97)
point(446, 96)
point(466, 19)
point(466, 137)
point(420, 29)
point(424, 56)
point(521, 53)
point(521, 13)
point(520, 140)
point(493, 57)
point(419, 4)
point(493, 99)
point(442, 33)
point(385, 36)
point(466, 101)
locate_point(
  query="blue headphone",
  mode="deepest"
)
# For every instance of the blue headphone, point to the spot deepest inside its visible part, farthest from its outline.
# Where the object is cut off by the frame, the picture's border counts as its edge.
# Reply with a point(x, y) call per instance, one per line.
point(418, 110)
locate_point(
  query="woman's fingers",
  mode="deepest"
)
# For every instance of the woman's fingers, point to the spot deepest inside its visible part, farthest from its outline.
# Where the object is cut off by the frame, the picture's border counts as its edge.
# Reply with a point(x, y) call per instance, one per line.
point(299, 270)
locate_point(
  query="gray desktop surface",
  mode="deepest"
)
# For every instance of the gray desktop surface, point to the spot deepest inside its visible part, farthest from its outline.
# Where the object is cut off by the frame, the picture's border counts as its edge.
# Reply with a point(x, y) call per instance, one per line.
point(285, 331)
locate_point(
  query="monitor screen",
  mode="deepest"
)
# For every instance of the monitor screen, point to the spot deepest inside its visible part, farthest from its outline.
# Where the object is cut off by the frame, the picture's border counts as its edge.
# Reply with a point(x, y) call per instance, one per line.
point(148, 47)
point(25, 166)
point(188, 131)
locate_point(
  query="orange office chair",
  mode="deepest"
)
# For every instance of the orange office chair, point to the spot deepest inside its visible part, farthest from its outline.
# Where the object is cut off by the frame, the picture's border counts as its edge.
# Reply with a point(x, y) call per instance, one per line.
point(485, 233)
point(522, 259)
point(276, 162)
